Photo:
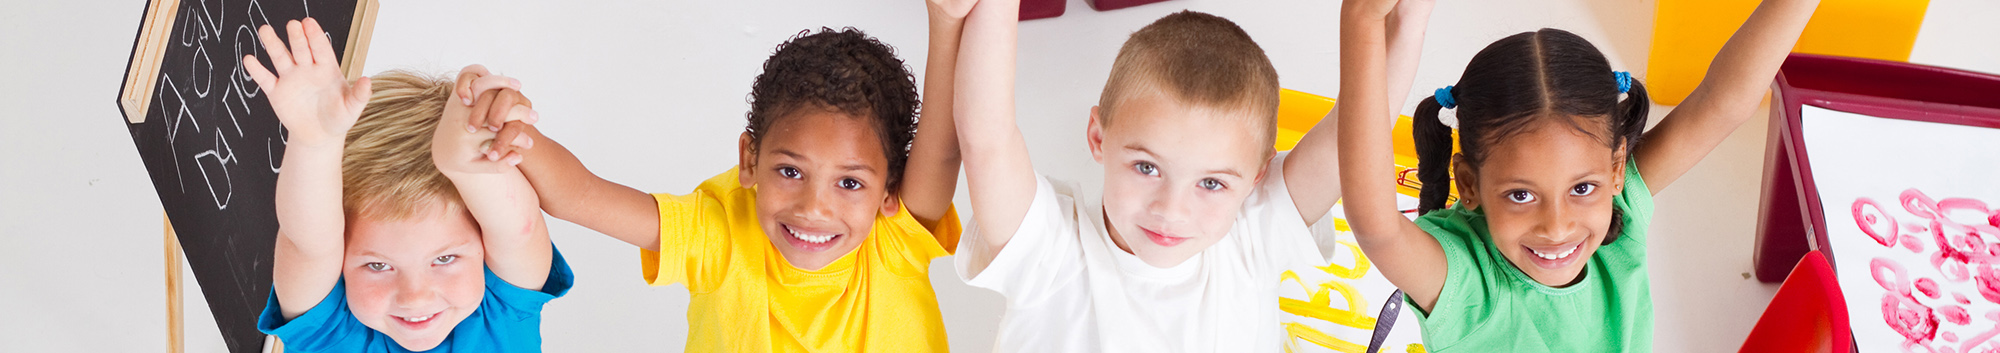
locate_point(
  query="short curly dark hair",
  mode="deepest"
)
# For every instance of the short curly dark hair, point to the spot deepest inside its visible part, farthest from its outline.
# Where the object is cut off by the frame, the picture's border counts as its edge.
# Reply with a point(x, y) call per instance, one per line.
point(844, 70)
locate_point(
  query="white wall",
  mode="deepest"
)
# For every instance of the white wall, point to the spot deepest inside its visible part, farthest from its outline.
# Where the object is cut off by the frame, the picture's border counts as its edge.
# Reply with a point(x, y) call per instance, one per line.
point(651, 94)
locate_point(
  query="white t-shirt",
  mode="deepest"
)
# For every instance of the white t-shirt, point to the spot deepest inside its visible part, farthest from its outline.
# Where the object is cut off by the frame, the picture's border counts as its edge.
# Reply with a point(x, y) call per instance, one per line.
point(1070, 289)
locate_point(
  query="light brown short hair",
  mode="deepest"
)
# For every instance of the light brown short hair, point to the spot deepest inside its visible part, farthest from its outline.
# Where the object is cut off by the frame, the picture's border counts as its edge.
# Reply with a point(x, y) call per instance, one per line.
point(1199, 59)
point(386, 169)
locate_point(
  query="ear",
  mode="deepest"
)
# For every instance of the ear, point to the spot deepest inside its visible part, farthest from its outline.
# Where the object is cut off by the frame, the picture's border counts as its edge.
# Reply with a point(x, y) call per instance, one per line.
point(1264, 170)
point(746, 154)
point(891, 205)
point(1093, 136)
point(1466, 180)
point(1619, 157)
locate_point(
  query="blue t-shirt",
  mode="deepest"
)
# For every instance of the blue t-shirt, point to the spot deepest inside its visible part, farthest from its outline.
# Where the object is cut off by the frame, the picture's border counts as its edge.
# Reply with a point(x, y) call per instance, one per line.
point(508, 319)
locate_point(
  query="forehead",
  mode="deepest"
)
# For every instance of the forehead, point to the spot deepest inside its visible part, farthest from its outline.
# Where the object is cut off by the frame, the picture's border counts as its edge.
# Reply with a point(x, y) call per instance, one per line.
point(1549, 154)
point(417, 235)
point(824, 136)
point(1172, 130)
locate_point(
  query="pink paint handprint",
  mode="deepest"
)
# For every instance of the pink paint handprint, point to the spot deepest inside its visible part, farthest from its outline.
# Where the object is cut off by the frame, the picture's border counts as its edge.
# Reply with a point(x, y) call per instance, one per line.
point(1932, 310)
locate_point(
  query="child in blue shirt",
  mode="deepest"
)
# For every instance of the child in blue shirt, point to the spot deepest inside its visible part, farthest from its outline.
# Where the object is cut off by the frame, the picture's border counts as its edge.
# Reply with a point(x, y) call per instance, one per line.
point(396, 235)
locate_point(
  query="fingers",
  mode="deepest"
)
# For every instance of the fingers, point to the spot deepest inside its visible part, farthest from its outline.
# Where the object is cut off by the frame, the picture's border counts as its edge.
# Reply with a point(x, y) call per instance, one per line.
point(301, 55)
point(475, 119)
point(463, 88)
point(280, 58)
point(516, 139)
point(322, 47)
point(503, 109)
point(258, 72)
point(493, 82)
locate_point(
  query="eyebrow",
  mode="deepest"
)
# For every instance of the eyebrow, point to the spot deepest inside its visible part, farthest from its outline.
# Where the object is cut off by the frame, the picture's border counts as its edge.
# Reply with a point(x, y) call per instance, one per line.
point(1579, 176)
point(439, 250)
point(844, 167)
point(1226, 171)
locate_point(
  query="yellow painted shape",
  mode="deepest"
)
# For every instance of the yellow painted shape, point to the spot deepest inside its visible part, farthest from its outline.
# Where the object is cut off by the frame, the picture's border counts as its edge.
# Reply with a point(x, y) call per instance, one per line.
point(1298, 112)
point(1688, 33)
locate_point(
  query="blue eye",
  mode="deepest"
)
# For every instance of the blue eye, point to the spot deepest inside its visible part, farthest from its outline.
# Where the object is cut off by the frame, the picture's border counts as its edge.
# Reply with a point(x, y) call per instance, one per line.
point(1146, 168)
point(850, 184)
point(444, 260)
point(1210, 184)
point(1520, 196)
point(1583, 189)
point(376, 266)
point(789, 172)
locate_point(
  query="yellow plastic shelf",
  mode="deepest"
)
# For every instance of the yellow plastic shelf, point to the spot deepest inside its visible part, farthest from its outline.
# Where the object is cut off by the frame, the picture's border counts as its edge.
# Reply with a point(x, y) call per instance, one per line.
point(1688, 33)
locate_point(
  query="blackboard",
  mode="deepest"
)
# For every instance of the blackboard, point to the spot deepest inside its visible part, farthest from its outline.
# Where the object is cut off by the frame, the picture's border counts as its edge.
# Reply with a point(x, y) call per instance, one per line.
point(210, 141)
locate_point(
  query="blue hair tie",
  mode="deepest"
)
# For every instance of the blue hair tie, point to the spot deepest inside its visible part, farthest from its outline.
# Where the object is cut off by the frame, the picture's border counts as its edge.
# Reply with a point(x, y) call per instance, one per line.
point(1444, 99)
point(1624, 81)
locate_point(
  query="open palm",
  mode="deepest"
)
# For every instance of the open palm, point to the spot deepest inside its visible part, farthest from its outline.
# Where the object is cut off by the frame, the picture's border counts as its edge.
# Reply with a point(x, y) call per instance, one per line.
point(309, 93)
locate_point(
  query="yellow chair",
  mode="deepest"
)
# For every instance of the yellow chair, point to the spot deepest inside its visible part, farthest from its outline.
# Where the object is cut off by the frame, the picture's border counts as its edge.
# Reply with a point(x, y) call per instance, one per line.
point(1688, 33)
point(1298, 112)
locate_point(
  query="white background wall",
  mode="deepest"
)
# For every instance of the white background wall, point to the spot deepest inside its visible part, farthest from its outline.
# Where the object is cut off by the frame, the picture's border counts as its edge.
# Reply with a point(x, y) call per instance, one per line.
point(651, 94)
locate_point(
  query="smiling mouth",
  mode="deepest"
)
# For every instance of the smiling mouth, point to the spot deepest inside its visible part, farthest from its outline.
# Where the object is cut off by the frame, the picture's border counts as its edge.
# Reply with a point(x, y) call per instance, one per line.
point(809, 240)
point(1161, 238)
point(417, 322)
point(1555, 258)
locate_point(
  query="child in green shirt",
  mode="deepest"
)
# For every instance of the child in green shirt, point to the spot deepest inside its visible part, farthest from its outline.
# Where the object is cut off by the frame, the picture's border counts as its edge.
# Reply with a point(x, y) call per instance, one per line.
point(1545, 249)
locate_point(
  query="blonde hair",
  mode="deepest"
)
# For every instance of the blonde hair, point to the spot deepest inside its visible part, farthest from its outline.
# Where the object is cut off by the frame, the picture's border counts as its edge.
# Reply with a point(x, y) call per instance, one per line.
point(1199, 59)
point(386, 170)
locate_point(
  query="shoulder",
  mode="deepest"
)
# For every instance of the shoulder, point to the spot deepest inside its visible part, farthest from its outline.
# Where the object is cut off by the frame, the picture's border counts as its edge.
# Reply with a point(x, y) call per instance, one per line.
point(327, 327)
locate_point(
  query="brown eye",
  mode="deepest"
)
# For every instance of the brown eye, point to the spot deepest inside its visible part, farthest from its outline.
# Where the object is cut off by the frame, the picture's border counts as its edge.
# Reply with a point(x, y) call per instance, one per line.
point(376, 266)
point(849, 184)
point(789, 172)
point(1520, 196)
point(1583, 189)
point(444, 260)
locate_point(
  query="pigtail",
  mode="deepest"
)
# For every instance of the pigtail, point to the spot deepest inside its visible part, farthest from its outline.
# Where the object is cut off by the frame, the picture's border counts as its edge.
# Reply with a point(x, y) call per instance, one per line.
point(1433, 142)
point(1629, 122)
point(1631, 116)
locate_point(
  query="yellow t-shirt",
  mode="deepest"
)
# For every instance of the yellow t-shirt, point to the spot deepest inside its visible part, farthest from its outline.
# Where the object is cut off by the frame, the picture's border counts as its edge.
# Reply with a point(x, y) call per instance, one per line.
point(746, 298)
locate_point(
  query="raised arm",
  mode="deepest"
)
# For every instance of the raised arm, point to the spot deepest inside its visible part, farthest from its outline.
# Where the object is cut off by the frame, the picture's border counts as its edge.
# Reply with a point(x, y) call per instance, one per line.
point(998, 172)
point(1312, 171)
point(317, 106)
point(931, 176)
point(499, 197)
point(1408, 257)
point(1728, 96)
point(565, 188)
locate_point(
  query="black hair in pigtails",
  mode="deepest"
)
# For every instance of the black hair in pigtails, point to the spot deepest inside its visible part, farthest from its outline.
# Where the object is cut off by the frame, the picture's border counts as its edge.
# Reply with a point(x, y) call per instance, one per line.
point(1433, 143)
point(1628, 123)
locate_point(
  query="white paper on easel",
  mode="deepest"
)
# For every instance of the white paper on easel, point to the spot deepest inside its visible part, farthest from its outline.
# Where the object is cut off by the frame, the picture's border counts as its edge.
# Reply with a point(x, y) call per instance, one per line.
point(1912, 234)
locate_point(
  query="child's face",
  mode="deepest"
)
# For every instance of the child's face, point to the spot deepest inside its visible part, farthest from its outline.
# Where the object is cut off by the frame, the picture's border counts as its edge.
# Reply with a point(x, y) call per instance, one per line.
point(1175, 175)
point(415, 279)
point(1547, 197)
point(821, 179)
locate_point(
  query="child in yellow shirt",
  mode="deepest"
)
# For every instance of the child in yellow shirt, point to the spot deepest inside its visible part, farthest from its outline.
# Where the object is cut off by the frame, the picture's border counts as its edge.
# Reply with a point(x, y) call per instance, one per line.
point(821, 238)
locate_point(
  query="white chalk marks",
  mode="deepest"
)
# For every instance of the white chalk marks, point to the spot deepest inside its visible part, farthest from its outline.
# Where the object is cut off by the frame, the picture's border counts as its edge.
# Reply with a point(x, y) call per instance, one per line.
point(207, 102)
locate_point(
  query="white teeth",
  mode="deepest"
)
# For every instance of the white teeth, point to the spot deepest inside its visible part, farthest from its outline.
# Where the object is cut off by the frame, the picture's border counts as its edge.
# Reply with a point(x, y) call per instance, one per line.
point(1548, 256)
point(416, 319)
point(815, 239)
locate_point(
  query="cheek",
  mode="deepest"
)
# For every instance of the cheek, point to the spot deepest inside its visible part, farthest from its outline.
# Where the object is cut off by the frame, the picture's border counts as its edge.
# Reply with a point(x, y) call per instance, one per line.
point(367, 295)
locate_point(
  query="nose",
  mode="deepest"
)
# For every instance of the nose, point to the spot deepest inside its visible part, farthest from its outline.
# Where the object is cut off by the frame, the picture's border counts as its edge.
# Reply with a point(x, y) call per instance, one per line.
point(817, 204)
point(414, 290)
point(1169, 205)
point(1555, 226)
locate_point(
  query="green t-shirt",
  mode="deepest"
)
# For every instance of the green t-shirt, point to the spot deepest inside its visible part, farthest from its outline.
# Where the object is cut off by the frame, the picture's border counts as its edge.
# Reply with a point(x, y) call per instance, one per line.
point(1487, 304)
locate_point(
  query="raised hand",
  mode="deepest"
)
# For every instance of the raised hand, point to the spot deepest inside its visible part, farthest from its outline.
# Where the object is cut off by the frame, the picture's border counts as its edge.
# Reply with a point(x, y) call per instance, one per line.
point(498, 108)
point(309, 92)
point(461, 144)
